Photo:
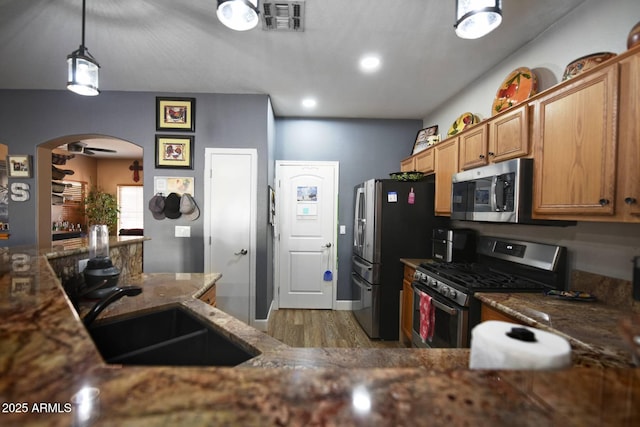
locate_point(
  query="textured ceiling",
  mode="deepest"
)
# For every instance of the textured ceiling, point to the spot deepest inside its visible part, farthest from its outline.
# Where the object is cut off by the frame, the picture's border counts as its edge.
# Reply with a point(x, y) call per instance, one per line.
point(179, 46)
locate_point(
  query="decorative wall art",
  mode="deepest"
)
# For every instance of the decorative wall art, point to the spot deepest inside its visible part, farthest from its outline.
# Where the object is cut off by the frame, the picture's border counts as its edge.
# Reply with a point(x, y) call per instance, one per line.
point(424, 139)
point(174, 152)
point(176, 114)
point(173, 184)
point(19, 166)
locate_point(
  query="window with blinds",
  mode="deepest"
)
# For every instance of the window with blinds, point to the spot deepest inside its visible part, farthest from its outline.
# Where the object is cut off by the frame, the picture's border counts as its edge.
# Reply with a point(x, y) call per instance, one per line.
point(131, 205)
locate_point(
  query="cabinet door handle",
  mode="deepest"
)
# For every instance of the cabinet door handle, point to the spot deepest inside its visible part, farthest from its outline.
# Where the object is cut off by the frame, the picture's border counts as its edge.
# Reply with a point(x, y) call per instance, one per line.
point(481, 156)
point(630, 200)
point(604, 202)
point(491, 153)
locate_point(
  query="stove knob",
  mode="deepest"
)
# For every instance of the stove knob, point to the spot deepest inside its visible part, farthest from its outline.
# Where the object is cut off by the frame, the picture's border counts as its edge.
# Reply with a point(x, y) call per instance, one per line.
point(433, 282)
point(452, 293)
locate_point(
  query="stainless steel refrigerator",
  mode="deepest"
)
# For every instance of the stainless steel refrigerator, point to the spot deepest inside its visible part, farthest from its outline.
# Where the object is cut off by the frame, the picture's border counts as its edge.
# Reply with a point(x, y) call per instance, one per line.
point(392, 220)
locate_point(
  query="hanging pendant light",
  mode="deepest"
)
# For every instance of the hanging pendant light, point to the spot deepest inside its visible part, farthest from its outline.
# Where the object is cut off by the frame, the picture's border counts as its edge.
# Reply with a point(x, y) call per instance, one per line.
point(477, 18)
point(83, 68)
point(239, 15)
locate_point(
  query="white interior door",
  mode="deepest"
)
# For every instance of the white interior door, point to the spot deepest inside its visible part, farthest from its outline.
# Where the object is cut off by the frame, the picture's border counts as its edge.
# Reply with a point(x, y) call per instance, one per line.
point(307, 194)
point(230, 228)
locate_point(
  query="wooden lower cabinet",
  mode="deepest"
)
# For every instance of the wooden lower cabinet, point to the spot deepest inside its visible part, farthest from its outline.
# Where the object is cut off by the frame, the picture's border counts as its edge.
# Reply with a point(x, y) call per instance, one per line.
point(406, 320)
point(210, 296)
point(490, 313)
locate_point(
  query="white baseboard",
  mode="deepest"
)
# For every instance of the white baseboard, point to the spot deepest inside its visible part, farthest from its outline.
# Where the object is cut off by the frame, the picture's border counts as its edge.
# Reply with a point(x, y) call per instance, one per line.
point(263, 324)
point(344, 305)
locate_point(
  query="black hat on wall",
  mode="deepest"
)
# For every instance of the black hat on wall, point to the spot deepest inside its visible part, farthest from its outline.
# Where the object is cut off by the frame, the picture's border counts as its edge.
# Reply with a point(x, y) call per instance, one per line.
point(172, 206)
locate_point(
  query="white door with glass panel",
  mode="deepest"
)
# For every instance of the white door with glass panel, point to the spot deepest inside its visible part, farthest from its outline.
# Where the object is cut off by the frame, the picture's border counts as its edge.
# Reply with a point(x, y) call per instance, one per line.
point(230, 228)
point(306, 214)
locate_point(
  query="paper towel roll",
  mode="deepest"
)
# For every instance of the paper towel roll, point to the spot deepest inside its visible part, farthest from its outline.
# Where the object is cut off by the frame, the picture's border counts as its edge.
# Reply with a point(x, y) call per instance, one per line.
point(492, 348)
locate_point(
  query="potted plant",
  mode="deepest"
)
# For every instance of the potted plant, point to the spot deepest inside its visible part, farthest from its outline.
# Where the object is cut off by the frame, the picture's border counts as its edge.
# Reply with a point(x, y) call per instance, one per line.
point(101, 209)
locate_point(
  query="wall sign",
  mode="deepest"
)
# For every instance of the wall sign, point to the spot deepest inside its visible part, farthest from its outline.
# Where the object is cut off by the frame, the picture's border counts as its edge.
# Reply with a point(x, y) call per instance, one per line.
point(20, 191)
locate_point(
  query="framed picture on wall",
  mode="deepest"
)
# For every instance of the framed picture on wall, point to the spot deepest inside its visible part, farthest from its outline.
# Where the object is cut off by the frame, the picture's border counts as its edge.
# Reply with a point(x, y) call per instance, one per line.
point(423, 138)
point(19, 166)
point(176, 114)
point(174, 152)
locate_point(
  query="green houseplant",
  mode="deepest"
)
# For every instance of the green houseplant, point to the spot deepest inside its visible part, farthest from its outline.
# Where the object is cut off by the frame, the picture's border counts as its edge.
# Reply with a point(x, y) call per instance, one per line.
point(101, 209)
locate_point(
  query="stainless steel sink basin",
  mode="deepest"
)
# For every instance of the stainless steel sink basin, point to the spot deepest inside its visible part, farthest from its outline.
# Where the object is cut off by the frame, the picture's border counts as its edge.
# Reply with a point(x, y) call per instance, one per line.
point(169, 336)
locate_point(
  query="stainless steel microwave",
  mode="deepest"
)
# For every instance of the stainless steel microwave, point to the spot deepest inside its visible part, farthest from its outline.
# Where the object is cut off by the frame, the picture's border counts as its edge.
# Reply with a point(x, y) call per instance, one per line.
point(501, 192)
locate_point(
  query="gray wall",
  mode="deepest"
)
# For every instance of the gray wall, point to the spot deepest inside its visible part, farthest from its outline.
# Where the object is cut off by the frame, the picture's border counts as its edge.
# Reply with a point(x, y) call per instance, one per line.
point(231, 121)
point(365, 149)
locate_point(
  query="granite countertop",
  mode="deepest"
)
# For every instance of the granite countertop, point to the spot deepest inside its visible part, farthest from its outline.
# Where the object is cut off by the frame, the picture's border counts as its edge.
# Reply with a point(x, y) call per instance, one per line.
point(592, 328)
point(46, 356)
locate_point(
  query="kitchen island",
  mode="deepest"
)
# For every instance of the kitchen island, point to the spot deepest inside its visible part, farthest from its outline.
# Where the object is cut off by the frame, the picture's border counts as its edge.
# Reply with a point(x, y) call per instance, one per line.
point(47, 356)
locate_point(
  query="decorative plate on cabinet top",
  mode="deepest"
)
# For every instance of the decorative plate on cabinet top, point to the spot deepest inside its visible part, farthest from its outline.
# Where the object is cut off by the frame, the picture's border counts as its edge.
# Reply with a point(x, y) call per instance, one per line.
point(585, 63)
point(519, 85)
point(466, 119)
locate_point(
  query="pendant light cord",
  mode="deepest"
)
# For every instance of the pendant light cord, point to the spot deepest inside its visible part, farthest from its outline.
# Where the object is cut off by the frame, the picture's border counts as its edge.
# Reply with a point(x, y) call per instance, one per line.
point(83, 13)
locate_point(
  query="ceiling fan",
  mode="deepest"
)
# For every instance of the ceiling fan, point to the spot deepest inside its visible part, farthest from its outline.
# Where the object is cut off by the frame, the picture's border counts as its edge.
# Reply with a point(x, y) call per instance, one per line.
point(81, 147)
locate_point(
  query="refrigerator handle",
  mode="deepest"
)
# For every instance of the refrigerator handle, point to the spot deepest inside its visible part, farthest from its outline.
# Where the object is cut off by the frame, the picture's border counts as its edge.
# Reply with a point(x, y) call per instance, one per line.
point(362, 264)
point(361, 283)
point(360, 223)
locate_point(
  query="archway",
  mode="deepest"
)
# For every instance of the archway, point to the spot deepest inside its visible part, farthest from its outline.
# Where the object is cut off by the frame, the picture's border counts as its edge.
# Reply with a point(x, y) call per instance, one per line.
point(125, 152)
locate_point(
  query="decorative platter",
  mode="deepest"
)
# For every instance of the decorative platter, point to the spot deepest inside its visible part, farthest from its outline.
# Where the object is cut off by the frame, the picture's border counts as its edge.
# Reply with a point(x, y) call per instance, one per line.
point(585, 63)
point(407, 176)
point(519, 85)
point(466, 119)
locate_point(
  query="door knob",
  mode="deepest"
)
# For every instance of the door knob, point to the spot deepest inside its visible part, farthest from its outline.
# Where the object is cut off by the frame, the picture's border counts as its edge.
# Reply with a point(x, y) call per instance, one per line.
point(242, 252)
point(328, 245)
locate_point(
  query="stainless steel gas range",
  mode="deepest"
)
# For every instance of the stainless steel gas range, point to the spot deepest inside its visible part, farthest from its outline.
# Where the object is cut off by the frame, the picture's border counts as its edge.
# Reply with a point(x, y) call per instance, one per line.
point(445, 290)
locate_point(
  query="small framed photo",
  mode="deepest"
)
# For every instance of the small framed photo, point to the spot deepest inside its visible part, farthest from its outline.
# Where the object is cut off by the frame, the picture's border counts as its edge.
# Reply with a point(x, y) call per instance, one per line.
point(19, 166)
point(178, 114)
point(423, 138)
point(174, 152)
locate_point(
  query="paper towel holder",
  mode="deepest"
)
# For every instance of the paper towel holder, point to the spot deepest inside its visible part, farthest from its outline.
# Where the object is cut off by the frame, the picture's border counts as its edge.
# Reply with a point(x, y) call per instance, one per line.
point(522, 334)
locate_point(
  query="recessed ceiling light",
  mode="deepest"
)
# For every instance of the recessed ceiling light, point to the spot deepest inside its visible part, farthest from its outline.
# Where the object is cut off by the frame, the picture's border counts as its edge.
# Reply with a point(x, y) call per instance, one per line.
point(369, 63)
point(309, 102)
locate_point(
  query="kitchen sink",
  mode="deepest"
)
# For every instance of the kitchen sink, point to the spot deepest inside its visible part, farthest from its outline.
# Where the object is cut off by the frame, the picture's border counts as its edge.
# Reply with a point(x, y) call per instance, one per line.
point(169, 336)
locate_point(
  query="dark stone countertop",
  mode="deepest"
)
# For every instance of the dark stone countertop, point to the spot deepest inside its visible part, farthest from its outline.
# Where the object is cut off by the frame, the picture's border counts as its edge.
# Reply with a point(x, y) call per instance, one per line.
point(46, 356)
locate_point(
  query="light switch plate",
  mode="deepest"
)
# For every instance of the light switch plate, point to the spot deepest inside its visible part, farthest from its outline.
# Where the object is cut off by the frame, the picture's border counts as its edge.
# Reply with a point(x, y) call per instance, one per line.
point(183, 231)
point(343, 229)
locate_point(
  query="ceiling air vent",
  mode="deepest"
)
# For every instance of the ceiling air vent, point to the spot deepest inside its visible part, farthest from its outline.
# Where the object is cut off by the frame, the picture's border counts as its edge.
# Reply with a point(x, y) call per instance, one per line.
point(282, 15)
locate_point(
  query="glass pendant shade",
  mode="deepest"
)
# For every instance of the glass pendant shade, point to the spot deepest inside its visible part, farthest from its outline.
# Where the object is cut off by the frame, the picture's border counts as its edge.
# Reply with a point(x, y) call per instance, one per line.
point(83, 73)
point(477, 18)
point(239, 15)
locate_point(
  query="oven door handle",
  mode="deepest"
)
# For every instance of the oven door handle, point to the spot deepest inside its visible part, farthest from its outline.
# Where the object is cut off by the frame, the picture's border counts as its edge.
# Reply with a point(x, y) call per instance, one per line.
point(449, 310)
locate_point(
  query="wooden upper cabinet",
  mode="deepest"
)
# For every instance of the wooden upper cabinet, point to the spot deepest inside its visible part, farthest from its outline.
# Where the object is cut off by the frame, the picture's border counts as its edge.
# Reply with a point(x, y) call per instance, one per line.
point(473, 147)
point(575, 142)
point(446, 158)
point(425, 161)
point(408, 164)
point(628, 178)
point(509, 135)
point(495, 140)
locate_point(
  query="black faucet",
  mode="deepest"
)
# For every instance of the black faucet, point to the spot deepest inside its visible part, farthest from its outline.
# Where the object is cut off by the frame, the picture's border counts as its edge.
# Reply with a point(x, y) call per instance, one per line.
point(114, 295)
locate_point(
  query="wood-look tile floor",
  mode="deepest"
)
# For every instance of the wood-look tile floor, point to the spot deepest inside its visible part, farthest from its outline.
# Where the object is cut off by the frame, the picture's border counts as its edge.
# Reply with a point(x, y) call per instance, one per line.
point(322, 328)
